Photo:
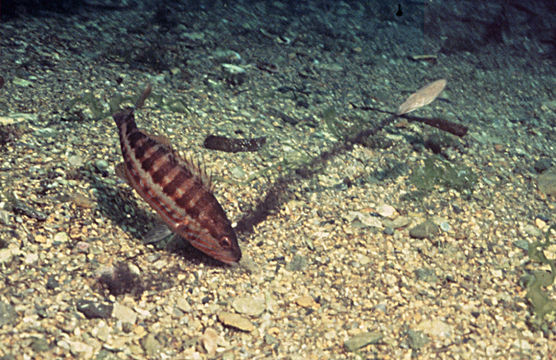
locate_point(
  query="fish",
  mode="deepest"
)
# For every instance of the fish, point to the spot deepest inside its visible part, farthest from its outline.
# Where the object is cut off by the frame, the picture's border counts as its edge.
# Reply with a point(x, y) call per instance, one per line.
point(177, 189)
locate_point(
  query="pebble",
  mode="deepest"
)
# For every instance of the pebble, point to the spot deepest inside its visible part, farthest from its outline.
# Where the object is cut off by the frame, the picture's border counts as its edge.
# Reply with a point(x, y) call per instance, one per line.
point(436, 328)
point(7, 254)
point(306, 301)
point(94, 310)
point(425, 230)
point(61, 237)
point(211, 340)
point(75, 160)
point(298, 263)
point(78, 348)
point(360, 340)
point(416, 339)
point(7, 314)
point(397, 223)
point(124, 314)
point(547, 182)
point(151, 345)
point(30, 259)
point(252, 306)
point(236, 321)
point(385, 210)
point(101, 164)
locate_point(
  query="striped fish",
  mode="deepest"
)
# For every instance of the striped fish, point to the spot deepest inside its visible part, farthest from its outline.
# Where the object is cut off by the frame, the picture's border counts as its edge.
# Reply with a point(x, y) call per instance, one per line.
point(176, 188)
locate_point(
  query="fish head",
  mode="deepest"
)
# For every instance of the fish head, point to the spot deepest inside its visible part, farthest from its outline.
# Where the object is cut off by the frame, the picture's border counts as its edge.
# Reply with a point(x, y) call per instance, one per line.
point(220, 242)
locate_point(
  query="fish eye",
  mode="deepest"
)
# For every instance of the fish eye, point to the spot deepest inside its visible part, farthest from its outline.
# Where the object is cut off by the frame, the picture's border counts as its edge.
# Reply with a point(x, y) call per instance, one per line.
point(225, 242)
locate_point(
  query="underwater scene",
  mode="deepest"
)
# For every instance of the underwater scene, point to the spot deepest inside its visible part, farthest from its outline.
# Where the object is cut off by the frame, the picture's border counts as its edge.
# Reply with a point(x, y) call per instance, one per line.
point(218, 179)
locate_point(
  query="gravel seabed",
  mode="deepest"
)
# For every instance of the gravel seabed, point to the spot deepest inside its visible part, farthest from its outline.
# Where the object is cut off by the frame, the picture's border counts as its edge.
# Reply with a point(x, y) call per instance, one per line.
point(332, 272)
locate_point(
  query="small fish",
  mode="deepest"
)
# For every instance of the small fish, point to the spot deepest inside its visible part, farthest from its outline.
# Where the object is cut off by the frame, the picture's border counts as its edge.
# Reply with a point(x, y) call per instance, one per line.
point(177, 189)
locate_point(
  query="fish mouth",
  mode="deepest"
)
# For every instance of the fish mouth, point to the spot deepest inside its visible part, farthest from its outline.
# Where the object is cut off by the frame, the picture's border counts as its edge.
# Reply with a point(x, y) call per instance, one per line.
point(226, 256)
point(229, 258)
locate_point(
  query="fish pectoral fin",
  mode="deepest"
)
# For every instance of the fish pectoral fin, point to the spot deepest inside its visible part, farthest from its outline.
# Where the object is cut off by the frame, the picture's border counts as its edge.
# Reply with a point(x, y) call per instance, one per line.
point(157, 234)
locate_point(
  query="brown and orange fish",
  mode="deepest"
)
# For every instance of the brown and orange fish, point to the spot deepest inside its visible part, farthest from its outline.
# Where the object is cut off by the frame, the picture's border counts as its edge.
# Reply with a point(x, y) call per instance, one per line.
point(176, 188)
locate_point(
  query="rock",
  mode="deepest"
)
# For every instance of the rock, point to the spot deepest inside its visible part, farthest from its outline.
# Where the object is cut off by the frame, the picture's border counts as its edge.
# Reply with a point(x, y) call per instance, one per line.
point(436, 328)
point(305, 301)
point(547, 182)
point(385, 210)
point(94, 310)
point(61, 237)
point(397, 223)
point(252, 306)
point(416, 339)
point(236, 321)
point(211, 340)
point(80, 349)
point(124, 314)
point(363, 219)
point(298, 263)
point(7, 254)
point(39, 344)
point(425, 230)
point(183, 305)
point(542, 165)
point(360, 340)
point(7, 314)
point(101, 164)
point(426, 274)
point(30, 259)
point(151, 345)
point(75, 160)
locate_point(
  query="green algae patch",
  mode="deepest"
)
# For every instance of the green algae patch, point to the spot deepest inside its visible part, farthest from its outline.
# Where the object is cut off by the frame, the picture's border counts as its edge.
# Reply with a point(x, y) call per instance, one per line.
point(437, 172)
point(542, 305)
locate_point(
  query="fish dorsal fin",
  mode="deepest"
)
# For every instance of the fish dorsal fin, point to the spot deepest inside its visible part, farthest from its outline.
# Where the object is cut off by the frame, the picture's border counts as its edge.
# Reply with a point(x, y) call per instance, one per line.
point(158, 138)
point(197, 169)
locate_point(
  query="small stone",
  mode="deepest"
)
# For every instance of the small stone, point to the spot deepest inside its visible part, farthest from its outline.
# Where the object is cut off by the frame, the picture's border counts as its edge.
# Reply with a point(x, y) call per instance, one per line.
point(360, 340)
point(211, 340)
point(39, 344)
point(236, 321)
point(30, 259)
point(52, 283)
point(298, 263)
point(436, 328)
point(7, 314)
point(101, 164)
point(546, 182)
point(252, 306)
point(124, 314)
point(61, 237)
point(151, 345)
point(305, 301)
point(363, 259)
point(445, 226)
point(542, 165)
point(6, 255)
point(540, 223)
point(101, 332)
point(416, 339)
point(397, 223)
point(81, 349)
point(385, 210)
point(425, 230)
point(75, 160)
point(94, 310)
point(5, 217)
point(426, 274)
point(183, 305)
